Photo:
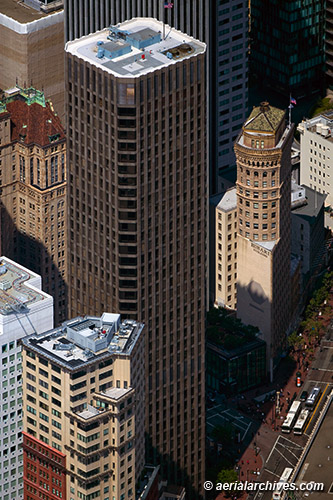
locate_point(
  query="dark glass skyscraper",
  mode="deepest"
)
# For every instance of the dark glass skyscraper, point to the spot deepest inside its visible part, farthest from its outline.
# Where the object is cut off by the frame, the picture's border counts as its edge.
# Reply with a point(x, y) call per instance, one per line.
point(138, 208)
point(287, 51)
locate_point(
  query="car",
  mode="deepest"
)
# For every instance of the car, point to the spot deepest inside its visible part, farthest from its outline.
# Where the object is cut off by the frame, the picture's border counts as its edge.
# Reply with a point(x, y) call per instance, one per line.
point(304, 396)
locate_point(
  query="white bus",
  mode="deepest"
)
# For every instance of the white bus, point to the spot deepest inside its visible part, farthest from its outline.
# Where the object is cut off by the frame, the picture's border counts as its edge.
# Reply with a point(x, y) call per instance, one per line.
point(313, 398)
point(301, 422)
point(283, 479)
point(291, 417)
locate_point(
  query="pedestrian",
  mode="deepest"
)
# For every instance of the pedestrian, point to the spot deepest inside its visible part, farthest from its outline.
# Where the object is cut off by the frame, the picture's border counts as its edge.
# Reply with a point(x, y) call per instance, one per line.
point(247, 462)
point(242, 462)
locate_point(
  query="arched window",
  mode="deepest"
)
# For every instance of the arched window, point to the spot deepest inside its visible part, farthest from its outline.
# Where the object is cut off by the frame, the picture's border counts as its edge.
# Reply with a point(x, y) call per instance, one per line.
point(264, 174)
point(256, 174)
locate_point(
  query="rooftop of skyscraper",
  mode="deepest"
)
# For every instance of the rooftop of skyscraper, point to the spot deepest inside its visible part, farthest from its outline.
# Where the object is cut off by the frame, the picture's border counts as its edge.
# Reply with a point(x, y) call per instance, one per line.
point(83, 340)
point(135, 47)
point(17, 294)
point(24, 13)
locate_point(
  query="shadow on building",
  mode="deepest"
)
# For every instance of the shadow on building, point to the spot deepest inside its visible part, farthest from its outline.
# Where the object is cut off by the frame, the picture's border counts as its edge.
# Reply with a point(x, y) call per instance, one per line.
point(33, 255)
point(169, 470)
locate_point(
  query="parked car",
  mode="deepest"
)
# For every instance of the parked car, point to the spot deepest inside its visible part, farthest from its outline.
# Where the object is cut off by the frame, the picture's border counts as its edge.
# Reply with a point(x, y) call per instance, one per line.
point(304, 396)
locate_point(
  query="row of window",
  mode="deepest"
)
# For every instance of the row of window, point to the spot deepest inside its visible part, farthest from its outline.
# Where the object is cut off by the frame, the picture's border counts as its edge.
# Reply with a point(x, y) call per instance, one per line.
point(256, 194)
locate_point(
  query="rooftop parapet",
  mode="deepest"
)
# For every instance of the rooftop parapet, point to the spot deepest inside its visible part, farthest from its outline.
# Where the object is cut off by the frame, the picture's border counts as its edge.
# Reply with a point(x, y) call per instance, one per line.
point(135, 47)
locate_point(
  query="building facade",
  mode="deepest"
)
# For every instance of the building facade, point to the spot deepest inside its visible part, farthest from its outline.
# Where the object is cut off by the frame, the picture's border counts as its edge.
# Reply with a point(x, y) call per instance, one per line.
point(226, 367)
point(329, 42)
point(228, 49)
point(308, 227)
point(33, 189)
point(226, 251)
point(317, 155)
point(87, 418)
point(263, 240)
point(138, 204)
point(82, 18)
point(287, 48)
point(31, 50)
point(24, 309)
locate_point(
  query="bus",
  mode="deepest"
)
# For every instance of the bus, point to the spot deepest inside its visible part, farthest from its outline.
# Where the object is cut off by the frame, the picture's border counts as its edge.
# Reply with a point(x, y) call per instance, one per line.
point(313, 398)
point(301, 422)
point(291, 417)
point(283, 479)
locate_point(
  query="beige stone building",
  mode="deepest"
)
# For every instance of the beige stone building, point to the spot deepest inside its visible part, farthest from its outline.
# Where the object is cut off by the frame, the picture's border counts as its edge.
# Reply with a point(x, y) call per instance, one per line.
point(33, 190)
point(226, 251)
point(32, 49)
point(84, 408)
point(263, 243)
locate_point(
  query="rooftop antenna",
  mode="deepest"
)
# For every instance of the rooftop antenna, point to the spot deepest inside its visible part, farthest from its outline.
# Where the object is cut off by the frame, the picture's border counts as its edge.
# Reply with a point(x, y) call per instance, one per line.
point(292, 103)
point(167, 5)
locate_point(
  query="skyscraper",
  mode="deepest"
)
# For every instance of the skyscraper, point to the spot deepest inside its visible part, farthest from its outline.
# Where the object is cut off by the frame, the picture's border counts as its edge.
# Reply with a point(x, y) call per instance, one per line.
point(31, 48)
point(33, 189)
point(287, 49)
point(81, 18)
point(228, 69)
point(329, 41)
point(263, 241)
point(223, 26)
point(84, 426)
point(138, 205)
point(24, 309)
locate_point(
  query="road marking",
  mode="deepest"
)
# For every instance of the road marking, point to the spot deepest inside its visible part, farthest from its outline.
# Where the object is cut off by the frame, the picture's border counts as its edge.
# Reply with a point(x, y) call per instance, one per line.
point(313, 414)
point(276, 442)
point(292, 442)
point(323, 369)
point(244, 435)
point(273, 473)
point(286, 459)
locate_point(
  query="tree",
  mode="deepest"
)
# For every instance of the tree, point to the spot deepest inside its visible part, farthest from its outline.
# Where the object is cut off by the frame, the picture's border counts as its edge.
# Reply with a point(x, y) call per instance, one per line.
point(295, 341)
point(227, 476)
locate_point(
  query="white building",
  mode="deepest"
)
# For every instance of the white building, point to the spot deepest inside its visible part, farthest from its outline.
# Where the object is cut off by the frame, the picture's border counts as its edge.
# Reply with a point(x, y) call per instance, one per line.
point(24, 309)
point(316, 169)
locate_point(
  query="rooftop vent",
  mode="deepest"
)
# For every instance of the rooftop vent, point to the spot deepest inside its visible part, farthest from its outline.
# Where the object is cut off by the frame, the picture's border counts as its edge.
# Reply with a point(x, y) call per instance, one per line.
point(5, 285)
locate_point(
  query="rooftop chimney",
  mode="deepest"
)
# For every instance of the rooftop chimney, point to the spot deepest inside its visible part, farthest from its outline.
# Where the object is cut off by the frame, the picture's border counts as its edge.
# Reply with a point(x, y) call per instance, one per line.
point(264, 106)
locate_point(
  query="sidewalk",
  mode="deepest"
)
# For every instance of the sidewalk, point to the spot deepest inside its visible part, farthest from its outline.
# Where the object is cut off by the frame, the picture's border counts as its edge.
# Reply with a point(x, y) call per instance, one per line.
point(253, 458)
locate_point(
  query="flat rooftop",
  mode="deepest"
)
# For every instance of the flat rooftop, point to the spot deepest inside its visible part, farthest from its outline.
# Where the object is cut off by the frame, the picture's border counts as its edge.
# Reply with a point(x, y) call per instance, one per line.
point(20, 11)
point(313, 205)
point(135, 47)
point(320, 125)
point(84, 340)
point(15, 293)
point(228, 201)
point(317, 465)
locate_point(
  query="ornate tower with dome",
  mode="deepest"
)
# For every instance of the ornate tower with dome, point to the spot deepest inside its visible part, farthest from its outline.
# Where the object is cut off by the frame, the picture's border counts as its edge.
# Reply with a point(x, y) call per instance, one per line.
point(263, 242)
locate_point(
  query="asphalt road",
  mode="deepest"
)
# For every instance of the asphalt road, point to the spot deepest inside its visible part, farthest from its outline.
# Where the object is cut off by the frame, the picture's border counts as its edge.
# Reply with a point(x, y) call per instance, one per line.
point(287, 448)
